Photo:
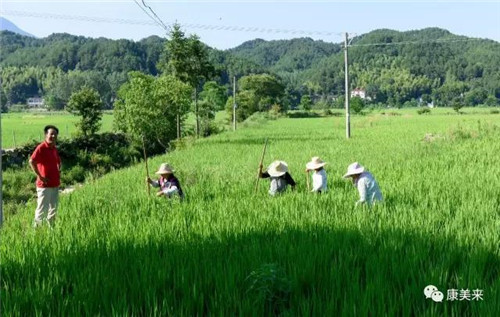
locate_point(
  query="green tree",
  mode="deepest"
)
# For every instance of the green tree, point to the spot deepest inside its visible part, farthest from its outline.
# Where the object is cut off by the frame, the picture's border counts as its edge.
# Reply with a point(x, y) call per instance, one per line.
point(88, 104)
point(148, 107)
point(257, 93)
point(305, 103)
point(187, 59)
point(214, 94)
point(491, 101)
point(212, 98)
point(247, 104)
point(457, 106)
point(340, 102)
point(475, 97)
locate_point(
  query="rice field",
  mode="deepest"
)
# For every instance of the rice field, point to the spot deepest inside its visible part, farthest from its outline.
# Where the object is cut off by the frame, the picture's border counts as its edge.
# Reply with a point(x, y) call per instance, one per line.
point(229, 251)
point(21, 128)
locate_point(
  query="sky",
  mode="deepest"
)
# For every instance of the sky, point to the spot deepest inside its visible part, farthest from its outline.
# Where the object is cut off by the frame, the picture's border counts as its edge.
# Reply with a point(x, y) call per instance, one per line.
point(227, 24)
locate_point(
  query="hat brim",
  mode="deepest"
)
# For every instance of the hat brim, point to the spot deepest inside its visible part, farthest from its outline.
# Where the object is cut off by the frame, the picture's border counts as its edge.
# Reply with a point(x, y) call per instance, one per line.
point(164, 172)
point(354, 172)
point(276, 173)
point(313, 166)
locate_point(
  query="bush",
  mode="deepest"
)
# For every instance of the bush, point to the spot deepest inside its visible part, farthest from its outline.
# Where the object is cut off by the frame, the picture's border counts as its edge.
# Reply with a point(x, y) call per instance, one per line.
point(357, 104)
point(17, 108)
point(303, 114)
point(457, 106)
point(18, 186)
point(494, 111)
point(275, 110)
point(327, 112)
point(424, 110)
point(74, 175)
point(209, 128)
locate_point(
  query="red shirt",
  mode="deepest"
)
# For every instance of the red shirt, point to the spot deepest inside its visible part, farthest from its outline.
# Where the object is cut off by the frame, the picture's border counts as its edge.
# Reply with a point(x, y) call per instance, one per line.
point(47, 161)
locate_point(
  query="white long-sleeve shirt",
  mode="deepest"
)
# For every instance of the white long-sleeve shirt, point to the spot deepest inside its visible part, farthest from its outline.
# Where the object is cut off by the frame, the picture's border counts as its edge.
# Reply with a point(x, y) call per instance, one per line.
point(368, 189)
point(319, 181)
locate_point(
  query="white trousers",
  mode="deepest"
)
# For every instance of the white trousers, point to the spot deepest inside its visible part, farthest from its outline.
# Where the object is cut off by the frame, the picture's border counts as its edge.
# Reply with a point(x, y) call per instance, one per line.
point(47, 201)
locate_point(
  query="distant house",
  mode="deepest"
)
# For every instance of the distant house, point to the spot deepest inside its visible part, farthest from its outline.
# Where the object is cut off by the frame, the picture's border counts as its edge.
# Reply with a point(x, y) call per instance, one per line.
point(358, 92)
point(421, 103)
point(36, 102)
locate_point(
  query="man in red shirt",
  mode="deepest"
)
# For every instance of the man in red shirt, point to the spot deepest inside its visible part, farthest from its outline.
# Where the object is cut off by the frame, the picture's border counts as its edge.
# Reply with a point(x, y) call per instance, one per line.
point(46, 164)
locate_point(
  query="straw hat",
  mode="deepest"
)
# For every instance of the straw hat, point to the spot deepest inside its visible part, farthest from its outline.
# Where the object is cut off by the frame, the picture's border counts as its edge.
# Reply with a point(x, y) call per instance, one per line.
point(165, 169)
point(315, 163)
point(354, 169)
point(277, 168)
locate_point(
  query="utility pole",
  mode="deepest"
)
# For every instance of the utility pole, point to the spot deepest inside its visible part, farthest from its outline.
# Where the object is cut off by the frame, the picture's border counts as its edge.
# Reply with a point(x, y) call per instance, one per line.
point(1, 174)
point(234, 103)
point(347, 114)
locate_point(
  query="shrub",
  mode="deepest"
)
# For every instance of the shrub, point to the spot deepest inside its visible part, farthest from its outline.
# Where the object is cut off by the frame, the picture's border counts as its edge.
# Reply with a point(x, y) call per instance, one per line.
point(303, 114)
point(457, 106)
point(209, 128)
point(74, 175)
point(424, 110)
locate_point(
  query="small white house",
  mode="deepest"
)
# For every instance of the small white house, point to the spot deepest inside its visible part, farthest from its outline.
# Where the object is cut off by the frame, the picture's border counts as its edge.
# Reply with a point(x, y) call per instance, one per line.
point(358, 92)
point(36, 102)
point(422, 103)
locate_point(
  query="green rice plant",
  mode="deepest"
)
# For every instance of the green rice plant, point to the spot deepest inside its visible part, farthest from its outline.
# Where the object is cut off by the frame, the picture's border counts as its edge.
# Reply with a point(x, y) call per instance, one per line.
point(228, 251)
point(21, 128)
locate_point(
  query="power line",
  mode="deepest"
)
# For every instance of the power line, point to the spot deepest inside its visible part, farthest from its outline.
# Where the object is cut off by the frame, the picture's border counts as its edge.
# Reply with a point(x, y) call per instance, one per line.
point(157, 17)
point(250, 29)
point(74, 17)
point(157, 22)
point(154, 21)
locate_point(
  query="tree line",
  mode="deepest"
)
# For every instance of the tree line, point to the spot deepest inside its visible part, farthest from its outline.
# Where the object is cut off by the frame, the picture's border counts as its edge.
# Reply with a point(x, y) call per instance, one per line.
point(433, 66)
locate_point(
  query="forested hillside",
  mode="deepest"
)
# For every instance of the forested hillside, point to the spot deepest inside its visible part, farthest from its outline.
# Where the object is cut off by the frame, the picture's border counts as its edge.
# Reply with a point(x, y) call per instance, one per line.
point(398, 67)
point(395, 68)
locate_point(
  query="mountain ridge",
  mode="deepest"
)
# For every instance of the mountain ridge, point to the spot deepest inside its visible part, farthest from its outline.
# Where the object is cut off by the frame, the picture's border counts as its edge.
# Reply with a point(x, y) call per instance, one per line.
point(6, 25)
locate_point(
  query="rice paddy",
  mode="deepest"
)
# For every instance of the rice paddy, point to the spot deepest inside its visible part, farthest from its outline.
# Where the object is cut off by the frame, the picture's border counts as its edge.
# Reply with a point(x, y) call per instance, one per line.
point(229, 251)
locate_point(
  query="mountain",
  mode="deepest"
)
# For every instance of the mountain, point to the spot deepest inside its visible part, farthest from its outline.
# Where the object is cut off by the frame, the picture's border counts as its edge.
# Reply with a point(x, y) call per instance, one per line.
point(395, 68)
point(6, 25)
point(285, 55)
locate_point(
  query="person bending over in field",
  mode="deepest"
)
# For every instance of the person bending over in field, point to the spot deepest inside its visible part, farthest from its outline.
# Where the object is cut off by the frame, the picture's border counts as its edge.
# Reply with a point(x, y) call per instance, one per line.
point(169, 184)
point(369, 192)
point(318, 176)
point(280, 178)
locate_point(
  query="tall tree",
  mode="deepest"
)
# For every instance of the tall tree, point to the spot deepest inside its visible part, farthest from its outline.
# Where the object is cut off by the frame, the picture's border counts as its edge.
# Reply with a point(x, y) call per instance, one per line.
point(187, 59)
point(88, 104)
point(149, 107)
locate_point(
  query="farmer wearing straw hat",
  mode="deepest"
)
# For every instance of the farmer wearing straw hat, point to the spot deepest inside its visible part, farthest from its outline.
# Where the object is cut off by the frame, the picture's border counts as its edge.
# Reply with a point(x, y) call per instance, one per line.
point(168, 183)
point(280, 178)
point(319, 174)
point(368, 189)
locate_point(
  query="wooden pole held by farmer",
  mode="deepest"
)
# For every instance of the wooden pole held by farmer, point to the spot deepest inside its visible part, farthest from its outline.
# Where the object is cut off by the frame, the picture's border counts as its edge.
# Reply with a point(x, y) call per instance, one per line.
point(260, 166)
point(146, 162)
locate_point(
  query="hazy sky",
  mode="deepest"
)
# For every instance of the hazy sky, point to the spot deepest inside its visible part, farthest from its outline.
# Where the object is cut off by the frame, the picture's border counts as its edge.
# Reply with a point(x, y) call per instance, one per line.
point(226, 24)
